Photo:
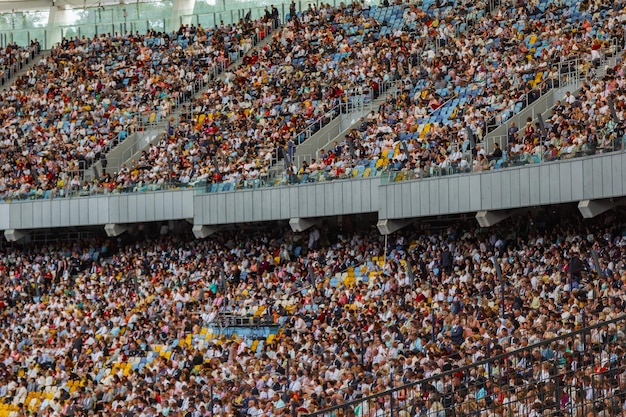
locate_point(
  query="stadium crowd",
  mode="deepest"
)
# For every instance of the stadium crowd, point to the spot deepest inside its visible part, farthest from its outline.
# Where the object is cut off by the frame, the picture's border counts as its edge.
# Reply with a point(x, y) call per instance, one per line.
point(132, 326)
point(393, 139)
point(88, 94)
point(460, 66)
point(580, 125)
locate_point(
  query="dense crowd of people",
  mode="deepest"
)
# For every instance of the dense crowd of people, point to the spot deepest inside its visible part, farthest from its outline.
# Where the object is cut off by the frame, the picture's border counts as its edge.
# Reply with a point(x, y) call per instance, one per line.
point(459, 67)
point(88, 94)
point(131, 326)
point(395, 139)
point(581, 124)
point(137, 325)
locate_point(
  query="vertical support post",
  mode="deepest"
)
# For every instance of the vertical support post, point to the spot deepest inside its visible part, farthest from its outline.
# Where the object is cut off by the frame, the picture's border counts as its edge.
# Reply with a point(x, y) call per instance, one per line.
point(391, 402)
point(489, 356)
point(557, 390)
point(501, 277)
point(362, 350)
point(584, 334)
point(212, 401)
point(432, 315)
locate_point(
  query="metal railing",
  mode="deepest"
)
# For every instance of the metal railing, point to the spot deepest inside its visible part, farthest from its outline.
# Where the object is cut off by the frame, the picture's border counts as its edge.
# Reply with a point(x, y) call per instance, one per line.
point(108, 23)
point(390, 174)
point(570, 72)
point(83, 185)
point(572, 374)
point(7, 72)
point(25, 37)
point(349, 102)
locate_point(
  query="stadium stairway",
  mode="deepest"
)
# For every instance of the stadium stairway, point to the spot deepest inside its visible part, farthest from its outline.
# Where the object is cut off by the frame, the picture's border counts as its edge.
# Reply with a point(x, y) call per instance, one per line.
point(333, 131)
point(131, 148)
point(545, 104)
point(30, 62)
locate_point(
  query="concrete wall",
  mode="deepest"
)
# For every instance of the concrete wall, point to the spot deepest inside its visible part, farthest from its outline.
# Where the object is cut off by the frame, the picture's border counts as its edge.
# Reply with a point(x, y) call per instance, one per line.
point(597, 177)
point(94, 211)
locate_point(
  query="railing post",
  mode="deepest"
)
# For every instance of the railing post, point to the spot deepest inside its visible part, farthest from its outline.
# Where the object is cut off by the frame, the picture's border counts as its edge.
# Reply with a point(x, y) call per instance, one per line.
point(557, 389)
point(432, 314)
point(489, 356)
point(362, 351)
point(584, 335)
point(391, 402)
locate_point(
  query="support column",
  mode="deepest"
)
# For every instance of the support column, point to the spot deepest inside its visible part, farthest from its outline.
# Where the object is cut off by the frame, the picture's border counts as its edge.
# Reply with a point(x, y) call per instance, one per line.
point(60, 15)
point(299, 224)
point(489, 218)
point(13, 235)
point(591, 208)
point(389, 226)
point(114, 230)
point(181, 13)
point(200, 231)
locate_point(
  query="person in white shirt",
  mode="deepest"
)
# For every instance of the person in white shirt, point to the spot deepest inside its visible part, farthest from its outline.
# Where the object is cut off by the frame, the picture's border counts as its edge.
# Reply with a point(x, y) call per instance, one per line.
point(300, 325)
point(456, 156)
point(294, 384)
point(253, 411)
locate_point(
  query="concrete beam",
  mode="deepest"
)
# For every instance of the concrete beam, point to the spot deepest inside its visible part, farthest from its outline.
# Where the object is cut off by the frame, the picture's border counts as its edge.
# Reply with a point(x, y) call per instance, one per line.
point(200, 231)
point(298, 224)
point(13, 235)
point(389, 226)
point(114, 230)
point(591, 208)
point(489, 218)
